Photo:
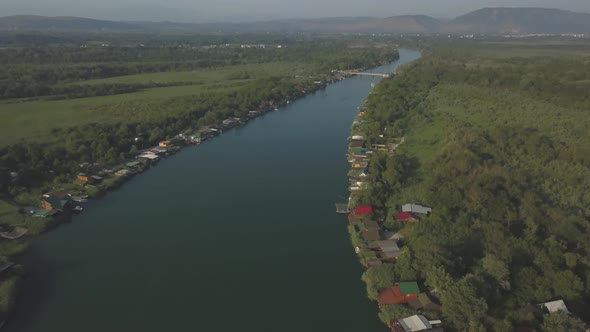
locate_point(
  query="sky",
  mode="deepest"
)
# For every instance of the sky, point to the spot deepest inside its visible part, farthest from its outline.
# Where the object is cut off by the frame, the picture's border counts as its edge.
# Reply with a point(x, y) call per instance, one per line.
point(263, 10)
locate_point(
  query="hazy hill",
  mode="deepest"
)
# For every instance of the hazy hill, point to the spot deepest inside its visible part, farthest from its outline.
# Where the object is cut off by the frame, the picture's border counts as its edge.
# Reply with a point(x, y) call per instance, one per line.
point(520, 20)
point(398, 24)
point(485, 21)
point(61, 23)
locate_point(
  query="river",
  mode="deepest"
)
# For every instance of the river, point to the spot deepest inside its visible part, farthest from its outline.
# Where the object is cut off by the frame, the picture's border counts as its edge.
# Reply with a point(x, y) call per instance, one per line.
point(238, 234)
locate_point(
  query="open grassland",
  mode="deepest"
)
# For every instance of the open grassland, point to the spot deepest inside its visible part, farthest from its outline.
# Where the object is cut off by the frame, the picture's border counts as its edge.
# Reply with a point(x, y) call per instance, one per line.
point(11, 215)
point(210, 75)
point(457, 105)
point(510, 49)
point(34, 120)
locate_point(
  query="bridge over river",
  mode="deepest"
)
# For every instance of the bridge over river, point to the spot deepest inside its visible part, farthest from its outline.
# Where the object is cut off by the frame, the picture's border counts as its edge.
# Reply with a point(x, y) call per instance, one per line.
point(356, 72)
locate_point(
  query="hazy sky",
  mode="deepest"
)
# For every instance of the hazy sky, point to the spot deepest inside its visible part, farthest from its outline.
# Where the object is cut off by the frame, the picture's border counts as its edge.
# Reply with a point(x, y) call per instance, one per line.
point(248, 10)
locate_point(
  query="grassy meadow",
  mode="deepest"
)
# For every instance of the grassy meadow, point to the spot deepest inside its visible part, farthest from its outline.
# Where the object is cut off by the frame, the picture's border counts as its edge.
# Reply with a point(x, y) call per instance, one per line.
point(34, 120)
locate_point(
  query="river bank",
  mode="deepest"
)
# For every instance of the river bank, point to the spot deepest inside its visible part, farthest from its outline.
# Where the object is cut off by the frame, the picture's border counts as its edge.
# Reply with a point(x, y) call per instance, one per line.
point(457, 189)
point(377, 232)
point(121, 180)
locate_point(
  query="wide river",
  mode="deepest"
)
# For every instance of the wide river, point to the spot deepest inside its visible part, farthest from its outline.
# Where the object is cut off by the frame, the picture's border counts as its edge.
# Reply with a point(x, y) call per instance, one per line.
point(238, 234)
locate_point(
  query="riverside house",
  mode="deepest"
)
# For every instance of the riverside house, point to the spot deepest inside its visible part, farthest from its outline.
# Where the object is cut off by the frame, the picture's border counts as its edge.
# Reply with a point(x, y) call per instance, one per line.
point(415, 208)
point(124, 172)
point(133, 164)
point(360, 153)
point(369, 230)
point(165, 144)
point(387, 250)
point(416, 323)
point(58, 201)
point(399, 293)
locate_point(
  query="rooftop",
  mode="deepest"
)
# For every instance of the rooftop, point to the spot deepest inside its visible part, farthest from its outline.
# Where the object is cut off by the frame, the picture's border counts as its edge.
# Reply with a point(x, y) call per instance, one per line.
point(415, 323)
point(416, 208)
point(409, 287)
point(556, 306)
point(404, 216)
point(363, 209)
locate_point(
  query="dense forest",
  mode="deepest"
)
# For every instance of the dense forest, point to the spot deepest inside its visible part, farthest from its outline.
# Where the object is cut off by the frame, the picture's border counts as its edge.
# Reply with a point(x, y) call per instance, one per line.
point(60, 71)
point(496, 142)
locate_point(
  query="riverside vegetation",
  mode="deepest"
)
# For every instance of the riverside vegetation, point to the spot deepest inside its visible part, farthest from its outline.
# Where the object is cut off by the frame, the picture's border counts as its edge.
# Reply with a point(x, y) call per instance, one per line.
point(67, 99)
point(496, 142)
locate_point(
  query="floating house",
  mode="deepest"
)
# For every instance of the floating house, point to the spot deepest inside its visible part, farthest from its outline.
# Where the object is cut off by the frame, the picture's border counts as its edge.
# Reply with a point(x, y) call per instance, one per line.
point(342, 208)
point(230, 123)
point(158, 150)
point(123, 172)
point(148, 156)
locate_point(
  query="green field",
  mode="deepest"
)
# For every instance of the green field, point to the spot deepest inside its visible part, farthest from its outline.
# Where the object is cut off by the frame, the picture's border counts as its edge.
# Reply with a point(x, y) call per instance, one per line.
point(512, 49)
point(208, 76)
point(34, 120)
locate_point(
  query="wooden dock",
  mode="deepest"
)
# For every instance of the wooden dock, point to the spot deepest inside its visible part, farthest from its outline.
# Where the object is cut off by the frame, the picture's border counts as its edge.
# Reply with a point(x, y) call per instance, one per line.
point(342, 208)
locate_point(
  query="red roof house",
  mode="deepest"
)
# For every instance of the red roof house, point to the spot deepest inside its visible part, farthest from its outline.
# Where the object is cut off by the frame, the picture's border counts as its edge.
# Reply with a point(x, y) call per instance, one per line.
point(405, 216)
point(363, 210)
point(399, 293)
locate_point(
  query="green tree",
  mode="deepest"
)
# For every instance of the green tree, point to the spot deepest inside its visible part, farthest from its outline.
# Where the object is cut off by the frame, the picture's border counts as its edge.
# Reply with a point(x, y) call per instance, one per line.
point(559, 322)
point(390, 312)
point(497, 269)
point(378, 277)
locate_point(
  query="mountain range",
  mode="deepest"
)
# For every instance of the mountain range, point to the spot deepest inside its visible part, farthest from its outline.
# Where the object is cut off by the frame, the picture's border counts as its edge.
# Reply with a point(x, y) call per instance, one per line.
point(491, 21)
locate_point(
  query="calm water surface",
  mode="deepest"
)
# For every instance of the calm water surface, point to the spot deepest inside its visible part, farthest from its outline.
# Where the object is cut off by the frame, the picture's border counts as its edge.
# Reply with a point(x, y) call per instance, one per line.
point(238, 234)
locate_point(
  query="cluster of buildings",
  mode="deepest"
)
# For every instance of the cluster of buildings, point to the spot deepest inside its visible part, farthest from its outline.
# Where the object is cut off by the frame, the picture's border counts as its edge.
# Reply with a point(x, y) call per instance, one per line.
point(380, 246)
point(260, 46)
point(377, 246)
point(92, 175)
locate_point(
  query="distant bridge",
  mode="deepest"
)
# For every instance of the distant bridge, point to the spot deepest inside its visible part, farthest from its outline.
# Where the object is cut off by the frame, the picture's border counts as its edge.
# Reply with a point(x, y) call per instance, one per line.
point(356, 72)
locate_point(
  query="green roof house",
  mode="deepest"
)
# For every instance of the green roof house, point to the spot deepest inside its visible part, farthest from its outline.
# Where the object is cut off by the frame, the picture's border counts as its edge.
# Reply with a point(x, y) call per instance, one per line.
point(409, 287)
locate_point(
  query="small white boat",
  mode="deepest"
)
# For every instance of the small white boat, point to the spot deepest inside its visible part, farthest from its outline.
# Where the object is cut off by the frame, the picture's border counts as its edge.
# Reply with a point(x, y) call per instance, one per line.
point(372, 85)
point(78, 208)
point(357, 250)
